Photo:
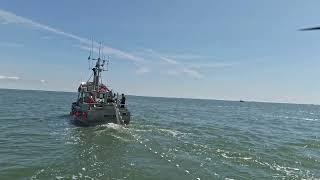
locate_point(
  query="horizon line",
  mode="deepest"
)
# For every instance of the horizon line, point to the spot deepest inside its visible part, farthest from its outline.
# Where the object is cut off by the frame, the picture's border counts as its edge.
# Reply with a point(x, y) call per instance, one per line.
point(245, 101)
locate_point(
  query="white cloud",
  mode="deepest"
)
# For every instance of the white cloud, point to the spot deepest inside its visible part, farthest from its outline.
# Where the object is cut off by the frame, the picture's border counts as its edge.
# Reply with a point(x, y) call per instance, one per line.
point(210, 65)
point(173, 72)
point(188, 60)
point(177, 68)
point(11, 18)
point(170, 61)
point(16, 78)
point(143, 70)
point(9, 78)
point(8, 18)
point(111, 51)
point(192, 73)
point(185, 71)
point(47, 37)
point(188, 56)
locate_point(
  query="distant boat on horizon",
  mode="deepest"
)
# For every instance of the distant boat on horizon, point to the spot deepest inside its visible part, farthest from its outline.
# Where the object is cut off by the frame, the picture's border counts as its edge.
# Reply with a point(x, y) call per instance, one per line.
point(241, 100)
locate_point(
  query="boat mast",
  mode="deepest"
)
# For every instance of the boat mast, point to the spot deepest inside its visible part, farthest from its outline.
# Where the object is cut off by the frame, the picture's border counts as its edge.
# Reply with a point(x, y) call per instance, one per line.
point(97, 70)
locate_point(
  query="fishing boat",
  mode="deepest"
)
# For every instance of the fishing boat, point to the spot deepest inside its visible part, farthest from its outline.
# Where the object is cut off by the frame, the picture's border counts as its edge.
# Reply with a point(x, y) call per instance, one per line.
point(96, 103)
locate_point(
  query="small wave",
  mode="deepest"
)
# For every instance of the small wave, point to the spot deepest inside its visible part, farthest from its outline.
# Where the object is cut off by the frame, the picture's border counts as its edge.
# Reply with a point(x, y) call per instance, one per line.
point(228, 178)
point(111, 125)
point(73, 140)
point(113, 130)
point(37, 174)
point(245, 158)
point(120, 138)
point(170, 131)
point(310, 119)
point(142, 130)
point(293, 117)
point(235, 157)
point(289, 171)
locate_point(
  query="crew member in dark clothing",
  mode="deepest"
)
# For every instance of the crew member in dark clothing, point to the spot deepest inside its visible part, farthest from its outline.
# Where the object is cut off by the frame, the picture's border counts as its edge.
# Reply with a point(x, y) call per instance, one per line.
point(123, 101)
point(79, 88)
point(114, 97)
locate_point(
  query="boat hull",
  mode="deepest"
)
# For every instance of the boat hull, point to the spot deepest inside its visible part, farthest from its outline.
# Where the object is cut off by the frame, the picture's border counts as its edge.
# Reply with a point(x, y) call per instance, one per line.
point(99, 115)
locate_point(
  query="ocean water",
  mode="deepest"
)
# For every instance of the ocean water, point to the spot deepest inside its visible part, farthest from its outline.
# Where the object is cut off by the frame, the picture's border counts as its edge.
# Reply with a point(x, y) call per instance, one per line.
point(167, 139)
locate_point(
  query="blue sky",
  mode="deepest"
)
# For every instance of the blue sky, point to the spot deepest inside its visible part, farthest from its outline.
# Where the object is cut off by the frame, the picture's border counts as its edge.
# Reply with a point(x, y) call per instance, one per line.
point(212, 49)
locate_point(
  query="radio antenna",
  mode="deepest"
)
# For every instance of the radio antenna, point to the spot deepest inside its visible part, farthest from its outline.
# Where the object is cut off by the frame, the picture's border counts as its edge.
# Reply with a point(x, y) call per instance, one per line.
point(100, 50)
point(90, 54)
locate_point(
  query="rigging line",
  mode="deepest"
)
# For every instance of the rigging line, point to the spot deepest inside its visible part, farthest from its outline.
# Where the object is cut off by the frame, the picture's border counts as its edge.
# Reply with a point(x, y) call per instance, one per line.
point(90, 77)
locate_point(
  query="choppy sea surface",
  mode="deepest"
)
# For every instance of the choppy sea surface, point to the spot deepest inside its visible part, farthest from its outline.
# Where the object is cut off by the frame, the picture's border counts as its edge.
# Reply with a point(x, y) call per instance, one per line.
point(167, 139)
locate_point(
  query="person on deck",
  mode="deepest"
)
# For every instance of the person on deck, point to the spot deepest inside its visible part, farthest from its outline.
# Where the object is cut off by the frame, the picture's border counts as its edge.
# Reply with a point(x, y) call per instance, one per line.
point(123, 101)
point(110, 96)
point(80, 88)
point(115, 98)
point(91, 99)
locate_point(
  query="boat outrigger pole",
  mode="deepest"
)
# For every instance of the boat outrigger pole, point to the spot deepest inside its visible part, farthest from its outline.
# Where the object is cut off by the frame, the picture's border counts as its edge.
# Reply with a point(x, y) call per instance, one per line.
point(310, 29)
